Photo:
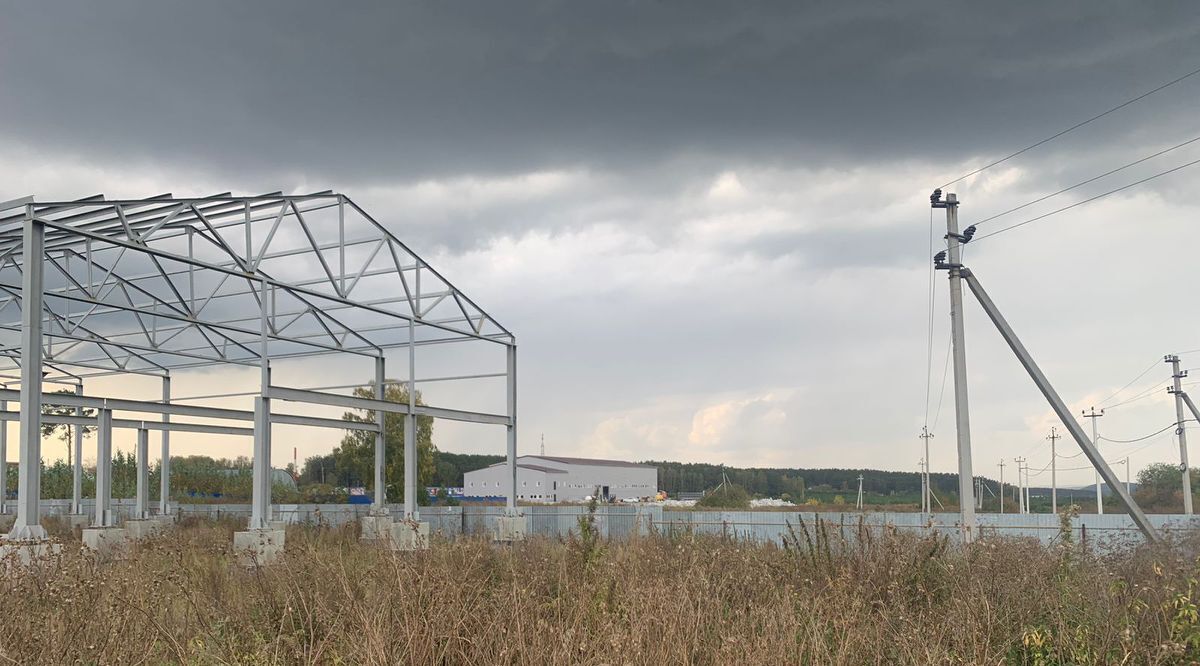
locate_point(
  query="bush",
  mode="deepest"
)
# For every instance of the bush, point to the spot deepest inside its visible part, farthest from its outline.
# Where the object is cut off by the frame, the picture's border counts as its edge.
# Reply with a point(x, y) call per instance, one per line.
point(727, 496)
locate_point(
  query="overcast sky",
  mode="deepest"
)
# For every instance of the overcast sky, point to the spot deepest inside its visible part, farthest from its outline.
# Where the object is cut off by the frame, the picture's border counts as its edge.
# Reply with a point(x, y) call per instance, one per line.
point(707, 223)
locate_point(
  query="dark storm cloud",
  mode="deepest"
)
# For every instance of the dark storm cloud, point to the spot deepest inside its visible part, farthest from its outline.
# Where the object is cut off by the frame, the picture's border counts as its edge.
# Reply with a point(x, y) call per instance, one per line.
point(363, 93)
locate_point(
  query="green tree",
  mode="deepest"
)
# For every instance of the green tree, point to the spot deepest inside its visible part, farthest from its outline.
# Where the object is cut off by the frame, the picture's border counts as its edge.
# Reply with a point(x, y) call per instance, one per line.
point(355, 456)
point(1160, 487)
point(792, 485)
point(725, 496)
point(65, 431)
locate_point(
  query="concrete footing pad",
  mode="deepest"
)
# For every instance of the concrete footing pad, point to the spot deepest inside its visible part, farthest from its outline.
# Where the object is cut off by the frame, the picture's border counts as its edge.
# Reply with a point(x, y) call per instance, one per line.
point(22, 554)
point(409, 535)
point(144, 528)
point(258, 547)
point(510, 529)
point(77, 521)
point(106, 542)
point(374, 528)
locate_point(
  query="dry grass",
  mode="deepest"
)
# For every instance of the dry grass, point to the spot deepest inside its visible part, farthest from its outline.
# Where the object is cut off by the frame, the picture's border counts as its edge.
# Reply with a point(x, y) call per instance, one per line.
point(888, 599)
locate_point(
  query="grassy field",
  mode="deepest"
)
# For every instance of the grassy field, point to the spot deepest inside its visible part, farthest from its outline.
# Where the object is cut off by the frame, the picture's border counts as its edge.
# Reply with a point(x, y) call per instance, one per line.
point(888, 598)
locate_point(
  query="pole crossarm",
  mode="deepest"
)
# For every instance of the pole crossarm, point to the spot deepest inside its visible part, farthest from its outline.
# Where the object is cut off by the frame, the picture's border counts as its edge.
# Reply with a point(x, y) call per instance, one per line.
point(1059, 407)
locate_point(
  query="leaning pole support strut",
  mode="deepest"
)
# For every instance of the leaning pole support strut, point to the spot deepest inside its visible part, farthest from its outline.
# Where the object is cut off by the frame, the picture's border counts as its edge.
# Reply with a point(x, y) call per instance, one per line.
point(1059, 407)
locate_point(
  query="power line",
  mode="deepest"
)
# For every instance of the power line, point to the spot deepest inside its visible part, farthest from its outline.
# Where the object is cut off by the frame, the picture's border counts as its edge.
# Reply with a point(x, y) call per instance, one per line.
point(937, 416)
point(1143, 373)
point(1085, 201)
point(1140, 396)
point(1090, 180)
point(1074, 127)
point(1146, 393)
point(1157, 432)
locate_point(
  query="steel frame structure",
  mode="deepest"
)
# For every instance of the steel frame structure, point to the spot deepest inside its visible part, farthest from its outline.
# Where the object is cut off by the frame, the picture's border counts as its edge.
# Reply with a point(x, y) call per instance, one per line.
point(99, 287)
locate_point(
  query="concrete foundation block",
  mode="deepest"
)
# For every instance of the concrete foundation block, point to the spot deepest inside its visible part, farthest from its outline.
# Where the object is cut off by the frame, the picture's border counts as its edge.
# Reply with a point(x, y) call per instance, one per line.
point(375, 528)
point(167, 520)
point(106, 542)
point(258, 547)
point(409, 535)
point(144, 528)
point(510, 529)
point(277, 524)
point(25, 554)
point(77, 521)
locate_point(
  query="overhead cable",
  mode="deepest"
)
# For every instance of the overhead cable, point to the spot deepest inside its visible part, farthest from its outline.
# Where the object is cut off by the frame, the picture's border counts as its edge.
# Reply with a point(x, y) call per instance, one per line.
point(1074, 127)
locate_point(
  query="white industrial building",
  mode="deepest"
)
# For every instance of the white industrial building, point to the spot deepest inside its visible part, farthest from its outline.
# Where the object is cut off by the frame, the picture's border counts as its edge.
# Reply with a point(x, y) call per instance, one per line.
point(557, 479)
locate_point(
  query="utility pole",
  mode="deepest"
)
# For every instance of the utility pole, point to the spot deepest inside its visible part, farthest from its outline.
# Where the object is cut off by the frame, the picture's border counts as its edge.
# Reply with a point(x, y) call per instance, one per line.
point(1020, 485)
point(1096, 443)
point(954, 242)
point(925, 501)
point(1177, 390)
point(1127, 475)
point(859, 504)
point(1028, 496)
point(1054, 436)
point(1002, 485)
point(924, 496)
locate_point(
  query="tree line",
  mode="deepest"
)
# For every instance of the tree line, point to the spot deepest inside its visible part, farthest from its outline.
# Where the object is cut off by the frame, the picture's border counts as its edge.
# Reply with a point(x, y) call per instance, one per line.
point(675, 477)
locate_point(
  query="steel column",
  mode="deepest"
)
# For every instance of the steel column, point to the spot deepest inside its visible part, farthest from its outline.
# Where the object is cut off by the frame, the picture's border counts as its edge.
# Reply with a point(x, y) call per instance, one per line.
point(104, 514)
point(141, 507)
point(380, 506)
point(29, 474)
point(410, 430)
point(164, 463)
point(1059, 407)
point(77, 466)
point(3, 461)
point(260, 506)
point(511, 502)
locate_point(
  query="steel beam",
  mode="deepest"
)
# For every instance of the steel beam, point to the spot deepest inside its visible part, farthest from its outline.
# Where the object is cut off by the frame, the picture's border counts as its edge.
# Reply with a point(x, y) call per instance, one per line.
point(134, 424)
point(1059, 407)
point(147, 406)
point(355, 402)
point(29, 476)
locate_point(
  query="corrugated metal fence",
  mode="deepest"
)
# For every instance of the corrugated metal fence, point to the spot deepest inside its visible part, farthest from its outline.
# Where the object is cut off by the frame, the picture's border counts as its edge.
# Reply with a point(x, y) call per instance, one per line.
point(620, 521)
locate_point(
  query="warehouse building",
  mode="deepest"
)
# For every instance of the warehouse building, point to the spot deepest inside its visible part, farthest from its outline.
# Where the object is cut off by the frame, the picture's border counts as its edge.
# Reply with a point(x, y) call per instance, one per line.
point(557, 479)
